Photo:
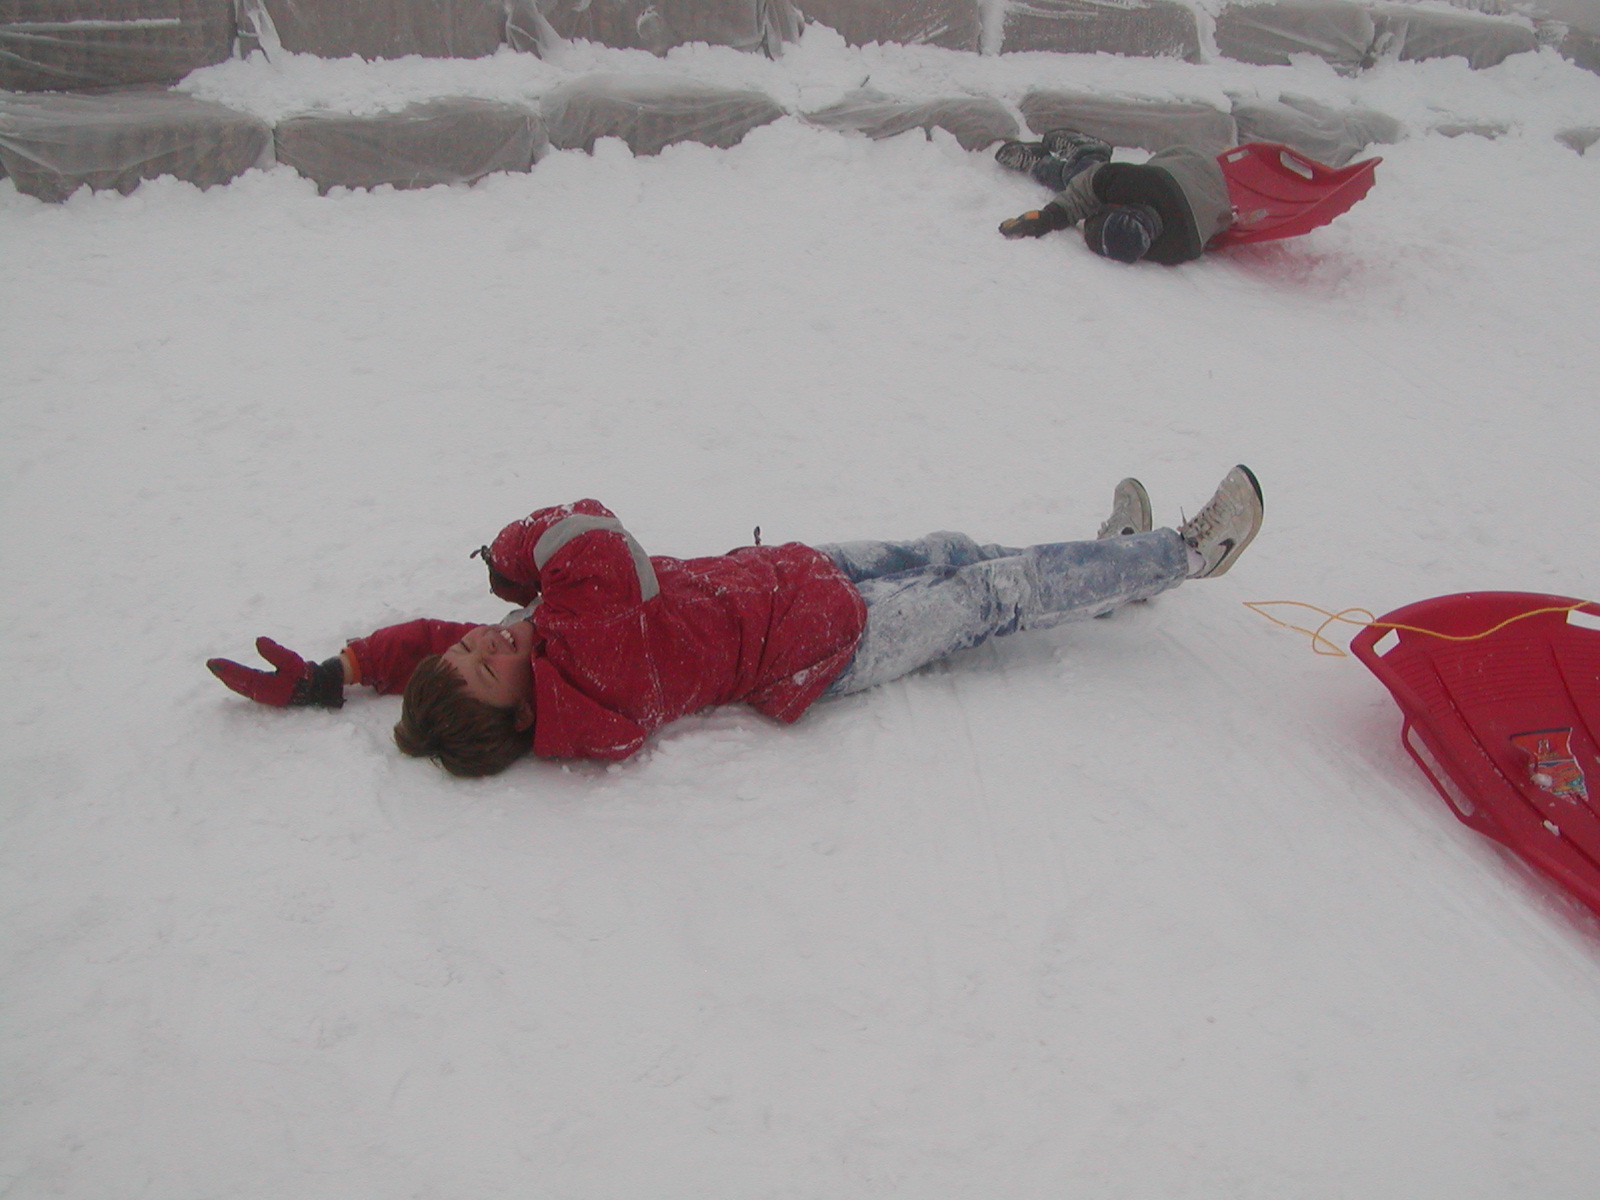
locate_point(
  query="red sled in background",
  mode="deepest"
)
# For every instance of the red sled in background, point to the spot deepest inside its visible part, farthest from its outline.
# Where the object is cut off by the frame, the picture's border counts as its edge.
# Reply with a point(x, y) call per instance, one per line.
point(1505, 725)
point(1277, 192)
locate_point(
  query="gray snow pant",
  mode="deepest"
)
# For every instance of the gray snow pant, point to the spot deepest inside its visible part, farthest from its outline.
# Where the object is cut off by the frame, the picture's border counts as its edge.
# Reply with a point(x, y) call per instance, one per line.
point(930, 597)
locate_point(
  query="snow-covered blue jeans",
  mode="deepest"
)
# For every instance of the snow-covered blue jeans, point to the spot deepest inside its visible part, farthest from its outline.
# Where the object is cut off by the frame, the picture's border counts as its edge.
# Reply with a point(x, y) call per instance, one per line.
point(930, 597)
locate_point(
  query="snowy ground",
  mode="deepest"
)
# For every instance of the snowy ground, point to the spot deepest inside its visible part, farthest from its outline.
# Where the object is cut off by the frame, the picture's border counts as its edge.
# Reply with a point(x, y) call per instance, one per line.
point(1151, 907)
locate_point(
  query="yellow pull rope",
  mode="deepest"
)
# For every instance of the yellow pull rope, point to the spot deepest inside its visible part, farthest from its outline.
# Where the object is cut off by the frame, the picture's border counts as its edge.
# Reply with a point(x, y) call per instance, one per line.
point(1318, 641)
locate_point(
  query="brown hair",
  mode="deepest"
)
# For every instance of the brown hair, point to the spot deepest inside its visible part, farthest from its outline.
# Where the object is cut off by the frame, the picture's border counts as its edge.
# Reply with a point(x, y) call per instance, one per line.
point(438, 720)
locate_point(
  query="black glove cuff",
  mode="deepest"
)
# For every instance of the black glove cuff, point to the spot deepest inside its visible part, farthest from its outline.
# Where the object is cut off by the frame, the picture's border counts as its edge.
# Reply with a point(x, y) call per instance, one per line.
point(322, 686)
point(1037, 223)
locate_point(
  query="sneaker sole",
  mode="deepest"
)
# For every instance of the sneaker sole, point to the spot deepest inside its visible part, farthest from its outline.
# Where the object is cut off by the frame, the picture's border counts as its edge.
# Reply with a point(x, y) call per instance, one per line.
point(1034, 153)
point(1145, 518)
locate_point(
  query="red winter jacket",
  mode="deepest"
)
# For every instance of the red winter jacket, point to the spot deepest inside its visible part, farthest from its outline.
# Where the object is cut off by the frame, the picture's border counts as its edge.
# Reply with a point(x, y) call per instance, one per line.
point(630, 642)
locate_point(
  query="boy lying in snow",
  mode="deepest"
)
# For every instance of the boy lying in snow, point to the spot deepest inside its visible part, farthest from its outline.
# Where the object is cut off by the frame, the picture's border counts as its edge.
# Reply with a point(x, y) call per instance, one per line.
point(612, 644)
point(1165, 210)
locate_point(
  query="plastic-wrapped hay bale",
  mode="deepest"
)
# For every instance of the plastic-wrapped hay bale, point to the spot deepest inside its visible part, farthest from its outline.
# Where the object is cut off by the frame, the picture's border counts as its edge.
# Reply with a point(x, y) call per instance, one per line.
point(1147, 124)
point(1141, 28)
point(649, 113)
point(1483, 129)
point(1579, 139)
point(1412, 33)
point(952, 24)
point(456, 140)
point(1329, 135)
point(657, 25)
point(1336, 31)
point(975, 121)
point(380, 28)
point(60, 45)
point(1579, 14)
point(52, 143)
point(1581, 47)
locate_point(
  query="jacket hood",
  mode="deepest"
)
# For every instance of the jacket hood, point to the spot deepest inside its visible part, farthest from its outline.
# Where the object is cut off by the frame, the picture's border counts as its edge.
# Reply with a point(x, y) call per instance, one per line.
point(1131, 183)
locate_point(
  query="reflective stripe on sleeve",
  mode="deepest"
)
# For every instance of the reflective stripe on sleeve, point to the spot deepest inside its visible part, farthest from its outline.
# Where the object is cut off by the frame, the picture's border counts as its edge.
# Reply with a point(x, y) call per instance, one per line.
point(564, 530)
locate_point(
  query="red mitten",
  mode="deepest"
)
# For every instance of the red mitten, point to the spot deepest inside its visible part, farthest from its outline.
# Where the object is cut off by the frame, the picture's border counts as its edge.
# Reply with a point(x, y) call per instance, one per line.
point(295, 682)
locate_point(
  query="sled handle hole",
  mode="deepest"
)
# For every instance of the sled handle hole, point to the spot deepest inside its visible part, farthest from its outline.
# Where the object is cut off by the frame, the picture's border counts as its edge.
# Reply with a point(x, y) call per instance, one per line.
point(1299, 166)
point(1437, 775)
point(1583, 620)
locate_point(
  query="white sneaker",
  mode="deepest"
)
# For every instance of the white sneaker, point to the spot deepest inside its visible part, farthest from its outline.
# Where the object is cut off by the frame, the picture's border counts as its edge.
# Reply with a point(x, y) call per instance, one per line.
point(1130, 511)
point(1220, 531)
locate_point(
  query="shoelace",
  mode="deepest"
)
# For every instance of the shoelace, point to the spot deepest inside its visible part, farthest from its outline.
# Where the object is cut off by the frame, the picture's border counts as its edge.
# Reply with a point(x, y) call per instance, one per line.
point(1204, 523)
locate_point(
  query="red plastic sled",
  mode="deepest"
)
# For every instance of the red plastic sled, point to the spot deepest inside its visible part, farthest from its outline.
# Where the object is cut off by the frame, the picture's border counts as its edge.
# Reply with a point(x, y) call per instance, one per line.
point(1279, 193)
point(1505, 725)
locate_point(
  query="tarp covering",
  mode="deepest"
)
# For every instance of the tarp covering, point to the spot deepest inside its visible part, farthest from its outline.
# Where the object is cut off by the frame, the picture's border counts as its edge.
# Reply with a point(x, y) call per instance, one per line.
point(380, 28)
point(455, 140)
point(1145, 28)
point(649, 113)
point(953, 24)
point(975, 121)
point(1330, 135)
point(51, 143)
point(74, 44)
point(1147, 124)
point(1337, 31)
point(1410, 32)
point(659, 25)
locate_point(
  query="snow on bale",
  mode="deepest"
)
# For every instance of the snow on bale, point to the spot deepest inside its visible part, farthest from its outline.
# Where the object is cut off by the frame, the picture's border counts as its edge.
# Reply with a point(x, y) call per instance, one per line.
point(654, 25)
point(62, 45)
point(649, 112)
point(456, 140)
point(52, 143)
point(975, 121)
point(1412, 33)
point(1339, 32)
point(378, 28)
point(1146, 124)
point(952, 24)
point(1143, 28)
point(1329, 135)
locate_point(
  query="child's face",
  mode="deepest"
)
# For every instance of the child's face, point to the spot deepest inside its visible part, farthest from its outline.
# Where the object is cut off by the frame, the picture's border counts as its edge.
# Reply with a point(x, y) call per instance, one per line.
point(495, 662)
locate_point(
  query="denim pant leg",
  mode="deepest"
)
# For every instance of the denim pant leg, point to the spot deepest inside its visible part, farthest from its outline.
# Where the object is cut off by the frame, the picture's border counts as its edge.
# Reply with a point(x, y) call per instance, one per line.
point(861, 561)
point(924, 614)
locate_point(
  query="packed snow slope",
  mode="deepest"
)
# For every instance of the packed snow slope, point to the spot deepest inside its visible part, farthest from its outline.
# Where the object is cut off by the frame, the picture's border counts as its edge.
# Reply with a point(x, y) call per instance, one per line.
point(1148, 907)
